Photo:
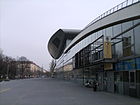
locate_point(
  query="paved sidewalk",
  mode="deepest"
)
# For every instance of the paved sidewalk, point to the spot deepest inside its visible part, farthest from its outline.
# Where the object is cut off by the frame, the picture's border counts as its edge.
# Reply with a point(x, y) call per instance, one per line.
point(57, 92)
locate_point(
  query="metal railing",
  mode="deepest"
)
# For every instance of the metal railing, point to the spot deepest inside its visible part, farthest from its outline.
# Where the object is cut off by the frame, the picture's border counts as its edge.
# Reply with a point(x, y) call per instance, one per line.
point(114, 9)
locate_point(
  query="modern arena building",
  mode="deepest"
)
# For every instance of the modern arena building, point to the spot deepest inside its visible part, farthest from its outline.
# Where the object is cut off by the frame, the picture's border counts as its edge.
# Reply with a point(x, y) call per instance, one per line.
point(107, 50)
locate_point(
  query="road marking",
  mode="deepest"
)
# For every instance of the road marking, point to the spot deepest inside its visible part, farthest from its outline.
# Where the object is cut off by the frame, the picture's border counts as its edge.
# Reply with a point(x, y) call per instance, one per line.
point(4, 90)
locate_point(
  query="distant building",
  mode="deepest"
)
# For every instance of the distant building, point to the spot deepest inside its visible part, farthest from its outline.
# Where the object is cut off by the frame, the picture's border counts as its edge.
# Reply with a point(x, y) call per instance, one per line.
point(27, 69)
point(106, 50)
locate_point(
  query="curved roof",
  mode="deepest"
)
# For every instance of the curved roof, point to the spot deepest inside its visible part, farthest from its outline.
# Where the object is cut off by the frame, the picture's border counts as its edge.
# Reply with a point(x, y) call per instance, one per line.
point(57, 42)
point(127, 13)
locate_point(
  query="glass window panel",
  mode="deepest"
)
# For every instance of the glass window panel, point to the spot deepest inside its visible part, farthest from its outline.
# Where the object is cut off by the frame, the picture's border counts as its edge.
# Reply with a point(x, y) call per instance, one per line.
point(137, 39)
point(128, 51)
point(109, 32)
point(92, 46)
point(128, 38)
point(104, 32)
point(113, 51)
point(127, 25)
point(136, 21)
point(117, 29)
point(118, 49)
point(127, 43)
point(100, 33)
point(117, 39)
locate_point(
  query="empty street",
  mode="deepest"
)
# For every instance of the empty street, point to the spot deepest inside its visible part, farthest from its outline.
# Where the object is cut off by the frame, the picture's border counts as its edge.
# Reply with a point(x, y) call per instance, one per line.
point(45, 91)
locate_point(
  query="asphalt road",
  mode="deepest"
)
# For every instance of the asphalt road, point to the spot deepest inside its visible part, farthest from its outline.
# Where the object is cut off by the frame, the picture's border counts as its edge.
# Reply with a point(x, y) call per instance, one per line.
point(56, 92)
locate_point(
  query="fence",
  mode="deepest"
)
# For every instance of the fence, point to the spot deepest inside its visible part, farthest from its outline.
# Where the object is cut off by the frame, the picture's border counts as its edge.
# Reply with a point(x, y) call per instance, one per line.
point(114, 9)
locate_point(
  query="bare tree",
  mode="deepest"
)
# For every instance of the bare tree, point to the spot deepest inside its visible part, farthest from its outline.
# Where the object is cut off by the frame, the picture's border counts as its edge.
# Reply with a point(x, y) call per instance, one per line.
point(15, 68)
point(1, 65)
point(7, 67)
point(52, 67)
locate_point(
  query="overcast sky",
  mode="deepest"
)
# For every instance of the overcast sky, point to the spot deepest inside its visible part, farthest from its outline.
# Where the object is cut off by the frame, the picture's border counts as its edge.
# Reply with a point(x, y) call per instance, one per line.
point(27, 25)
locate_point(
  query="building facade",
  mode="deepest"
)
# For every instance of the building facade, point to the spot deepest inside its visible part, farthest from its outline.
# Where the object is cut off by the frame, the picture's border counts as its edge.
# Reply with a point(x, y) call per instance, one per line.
point(28, 69)
point(106, 50)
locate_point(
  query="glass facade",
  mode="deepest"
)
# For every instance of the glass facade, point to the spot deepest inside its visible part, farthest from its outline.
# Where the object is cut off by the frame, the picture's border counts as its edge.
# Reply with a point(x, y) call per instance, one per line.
point(109, 55)
point(137, 37)
point(124, 40)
